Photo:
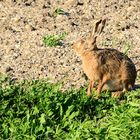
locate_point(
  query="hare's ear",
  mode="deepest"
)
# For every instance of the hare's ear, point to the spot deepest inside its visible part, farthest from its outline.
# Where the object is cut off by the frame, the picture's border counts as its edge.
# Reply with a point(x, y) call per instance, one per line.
point(99, 26)
point(94, 31)
point(93, 34)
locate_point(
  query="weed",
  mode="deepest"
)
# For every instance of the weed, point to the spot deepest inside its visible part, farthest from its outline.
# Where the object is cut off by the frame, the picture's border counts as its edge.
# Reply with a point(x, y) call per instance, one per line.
point(58, 11)
point(54, 40)
point(127, 47)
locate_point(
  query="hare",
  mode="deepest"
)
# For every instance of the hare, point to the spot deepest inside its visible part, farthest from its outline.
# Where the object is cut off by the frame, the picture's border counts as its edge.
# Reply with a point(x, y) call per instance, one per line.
point(112, 69)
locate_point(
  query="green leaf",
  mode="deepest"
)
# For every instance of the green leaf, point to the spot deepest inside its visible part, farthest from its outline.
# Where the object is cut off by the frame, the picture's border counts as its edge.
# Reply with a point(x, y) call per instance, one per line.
point(69, 110)
point(42, 118)
point(35, 110)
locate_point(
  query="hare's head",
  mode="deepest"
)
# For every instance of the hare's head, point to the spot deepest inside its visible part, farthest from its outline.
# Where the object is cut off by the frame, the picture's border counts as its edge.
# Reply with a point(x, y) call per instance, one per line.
point(82, 45)
point(79, 47)
point(89, 43)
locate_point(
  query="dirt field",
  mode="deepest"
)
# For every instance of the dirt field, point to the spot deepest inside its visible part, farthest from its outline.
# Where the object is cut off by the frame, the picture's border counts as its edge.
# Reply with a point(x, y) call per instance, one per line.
point(24, 23)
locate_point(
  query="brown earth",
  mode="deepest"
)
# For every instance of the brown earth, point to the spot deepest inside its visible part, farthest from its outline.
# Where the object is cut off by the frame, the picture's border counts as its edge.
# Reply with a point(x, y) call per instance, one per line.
point(24, 23)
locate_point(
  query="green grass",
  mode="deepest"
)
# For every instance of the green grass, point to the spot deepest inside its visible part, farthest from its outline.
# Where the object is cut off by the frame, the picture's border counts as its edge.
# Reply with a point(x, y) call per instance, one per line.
point(58, 11)
point(37, 110)
point(54, 40)
point(127, 47)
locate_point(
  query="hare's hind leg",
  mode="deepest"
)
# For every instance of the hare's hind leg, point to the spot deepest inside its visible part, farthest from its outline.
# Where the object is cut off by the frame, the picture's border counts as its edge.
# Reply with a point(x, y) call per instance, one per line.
point(117, 94)
point(90, 87)
point(125, 86)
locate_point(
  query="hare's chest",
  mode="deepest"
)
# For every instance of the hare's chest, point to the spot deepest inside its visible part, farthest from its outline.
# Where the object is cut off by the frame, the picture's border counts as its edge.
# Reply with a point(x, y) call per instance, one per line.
point(91, 69)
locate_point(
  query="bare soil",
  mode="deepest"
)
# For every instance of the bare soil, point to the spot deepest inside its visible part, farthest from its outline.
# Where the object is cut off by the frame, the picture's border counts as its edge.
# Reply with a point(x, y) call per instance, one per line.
point(24, 23)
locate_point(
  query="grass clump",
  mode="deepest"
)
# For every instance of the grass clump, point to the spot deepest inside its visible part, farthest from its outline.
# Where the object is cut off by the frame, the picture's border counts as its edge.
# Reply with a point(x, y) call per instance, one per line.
point(58, 11)
point(127, 47)
point(37, 110)
point(54, 40)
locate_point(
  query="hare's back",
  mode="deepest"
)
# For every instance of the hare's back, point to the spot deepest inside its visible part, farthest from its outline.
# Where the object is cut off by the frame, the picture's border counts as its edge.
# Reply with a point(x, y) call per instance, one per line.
point(116, 63)
point(108, 54)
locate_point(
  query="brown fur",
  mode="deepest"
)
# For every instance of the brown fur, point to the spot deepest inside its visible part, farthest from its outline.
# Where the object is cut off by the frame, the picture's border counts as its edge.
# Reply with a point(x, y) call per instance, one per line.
point(112, 69)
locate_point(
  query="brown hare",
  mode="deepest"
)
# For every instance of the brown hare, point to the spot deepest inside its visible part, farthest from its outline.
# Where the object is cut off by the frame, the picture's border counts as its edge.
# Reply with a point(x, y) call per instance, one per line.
point(112, 69)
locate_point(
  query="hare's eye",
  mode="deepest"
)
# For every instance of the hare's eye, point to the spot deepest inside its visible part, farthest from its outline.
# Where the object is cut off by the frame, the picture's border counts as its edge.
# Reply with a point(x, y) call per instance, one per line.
point(82, 41)
point(93, 42)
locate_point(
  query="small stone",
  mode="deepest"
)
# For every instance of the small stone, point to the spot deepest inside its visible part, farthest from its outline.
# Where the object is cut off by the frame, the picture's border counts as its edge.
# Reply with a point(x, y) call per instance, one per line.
point(28, 27)
point(8, 69)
